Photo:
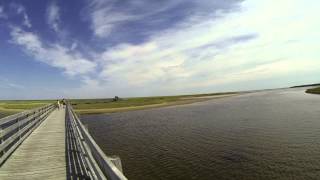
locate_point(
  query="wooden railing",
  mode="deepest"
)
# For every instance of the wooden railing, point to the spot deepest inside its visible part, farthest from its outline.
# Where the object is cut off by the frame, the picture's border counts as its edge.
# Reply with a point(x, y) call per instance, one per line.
point(16, 128)
point(97, 164)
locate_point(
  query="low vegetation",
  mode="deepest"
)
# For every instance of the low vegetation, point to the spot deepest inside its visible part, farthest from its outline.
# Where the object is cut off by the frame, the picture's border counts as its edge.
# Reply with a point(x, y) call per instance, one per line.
point(117, 104)
point(94, 106)
point(12, 107)
point(306, 85)
point(314, 90)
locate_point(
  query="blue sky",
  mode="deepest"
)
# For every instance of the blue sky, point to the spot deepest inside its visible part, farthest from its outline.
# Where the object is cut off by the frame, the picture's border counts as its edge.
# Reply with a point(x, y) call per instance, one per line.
point(103, 48)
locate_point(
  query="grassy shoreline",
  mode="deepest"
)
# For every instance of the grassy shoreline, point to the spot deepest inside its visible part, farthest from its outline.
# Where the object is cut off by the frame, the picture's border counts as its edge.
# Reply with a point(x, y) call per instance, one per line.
point(177, 102)
point(8, 107)
point(100, 106)
point(313, 90)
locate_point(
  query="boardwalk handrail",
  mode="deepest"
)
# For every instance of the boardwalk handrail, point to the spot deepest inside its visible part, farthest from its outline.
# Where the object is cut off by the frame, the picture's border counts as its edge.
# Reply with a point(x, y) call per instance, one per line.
point(98, 165)
point(16, 128)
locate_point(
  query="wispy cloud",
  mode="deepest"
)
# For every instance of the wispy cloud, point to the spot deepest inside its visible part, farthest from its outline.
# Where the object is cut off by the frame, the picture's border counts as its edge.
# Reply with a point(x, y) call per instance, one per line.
point(16, 86)
point(107, 16)
point(3, 15)
point(54, 55)
point(103, 21)
point(20, 10)
point(53, 16)
point(26, 20)
point(7, 84)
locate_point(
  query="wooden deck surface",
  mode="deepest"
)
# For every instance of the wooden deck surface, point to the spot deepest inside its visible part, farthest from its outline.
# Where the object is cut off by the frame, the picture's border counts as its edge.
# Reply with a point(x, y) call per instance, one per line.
point(42, 154)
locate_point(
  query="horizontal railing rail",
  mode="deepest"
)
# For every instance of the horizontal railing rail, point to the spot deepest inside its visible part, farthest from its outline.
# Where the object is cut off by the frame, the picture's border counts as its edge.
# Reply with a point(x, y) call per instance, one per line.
point(98, 165)
point(16, 128)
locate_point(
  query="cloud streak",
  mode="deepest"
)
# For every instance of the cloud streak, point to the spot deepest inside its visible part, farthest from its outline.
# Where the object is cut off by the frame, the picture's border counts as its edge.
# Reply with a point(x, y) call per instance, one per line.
point(7, 84)
point(54, 55)
point(108, 16)
point(3, 15)
point(20, 10)
point(53, 16)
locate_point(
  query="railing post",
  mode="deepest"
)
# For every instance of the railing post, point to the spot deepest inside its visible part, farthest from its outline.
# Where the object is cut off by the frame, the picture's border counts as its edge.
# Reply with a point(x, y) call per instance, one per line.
point(39, 115)
point(35, 115)
point(86, 127)
point(116, 161)
point(19, 127)
point(1, 141)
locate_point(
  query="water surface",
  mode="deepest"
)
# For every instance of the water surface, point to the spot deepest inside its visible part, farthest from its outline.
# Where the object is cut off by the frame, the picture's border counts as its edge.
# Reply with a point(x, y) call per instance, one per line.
point(264, 135)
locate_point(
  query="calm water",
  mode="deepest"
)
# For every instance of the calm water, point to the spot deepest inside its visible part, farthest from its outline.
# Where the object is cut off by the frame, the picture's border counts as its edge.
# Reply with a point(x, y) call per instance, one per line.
point(265, 135)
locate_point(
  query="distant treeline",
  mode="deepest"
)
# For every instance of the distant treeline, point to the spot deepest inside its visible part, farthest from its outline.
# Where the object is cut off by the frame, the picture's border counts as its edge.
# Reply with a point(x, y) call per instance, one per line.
point(307, 85)
point(314, 90)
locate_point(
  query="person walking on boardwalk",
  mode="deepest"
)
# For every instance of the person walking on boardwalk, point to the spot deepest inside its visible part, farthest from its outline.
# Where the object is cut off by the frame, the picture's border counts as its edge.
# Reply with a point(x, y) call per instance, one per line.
point(58, 104)
point(63, 103)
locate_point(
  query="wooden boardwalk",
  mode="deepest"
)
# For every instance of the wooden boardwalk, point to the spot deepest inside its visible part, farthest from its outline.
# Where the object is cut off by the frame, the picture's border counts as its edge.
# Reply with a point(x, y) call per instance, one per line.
point(42, 155)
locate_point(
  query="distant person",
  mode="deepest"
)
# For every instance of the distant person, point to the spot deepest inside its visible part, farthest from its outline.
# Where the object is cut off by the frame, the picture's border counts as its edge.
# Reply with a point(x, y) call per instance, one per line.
point(64, 103)
point(58, 104)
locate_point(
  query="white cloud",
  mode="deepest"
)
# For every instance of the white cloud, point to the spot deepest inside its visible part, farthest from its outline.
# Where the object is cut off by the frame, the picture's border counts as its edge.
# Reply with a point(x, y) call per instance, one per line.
point(105, 16)
point(53, 16)
point(264, 40)
point(201, 53)
point(54, 54)
point(74, 45)
point(103, 22)
point(26, 20)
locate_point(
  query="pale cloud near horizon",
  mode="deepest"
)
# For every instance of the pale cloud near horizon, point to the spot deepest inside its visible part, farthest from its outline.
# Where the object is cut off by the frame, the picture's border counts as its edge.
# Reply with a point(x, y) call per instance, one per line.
point(260, 40)
point(6, 83)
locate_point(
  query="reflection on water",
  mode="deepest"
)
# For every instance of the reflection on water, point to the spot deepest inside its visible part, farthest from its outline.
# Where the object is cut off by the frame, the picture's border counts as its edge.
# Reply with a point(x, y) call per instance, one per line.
point(266, 135)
